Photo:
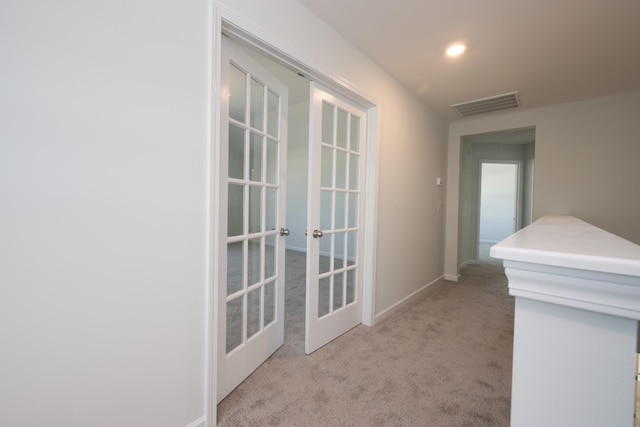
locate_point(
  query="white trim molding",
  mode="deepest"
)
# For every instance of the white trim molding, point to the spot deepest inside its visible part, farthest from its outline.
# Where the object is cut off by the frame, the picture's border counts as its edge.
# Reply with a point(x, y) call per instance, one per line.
point(606, 293)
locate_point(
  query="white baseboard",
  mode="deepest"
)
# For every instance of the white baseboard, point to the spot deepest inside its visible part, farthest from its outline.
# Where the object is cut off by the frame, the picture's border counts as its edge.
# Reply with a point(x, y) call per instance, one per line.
point(200, 422)
point(414, 297)
point(452, 277)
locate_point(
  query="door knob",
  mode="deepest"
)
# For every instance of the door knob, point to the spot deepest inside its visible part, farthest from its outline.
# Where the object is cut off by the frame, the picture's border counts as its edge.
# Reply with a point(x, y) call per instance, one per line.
point(317, 234)
point(284, 231)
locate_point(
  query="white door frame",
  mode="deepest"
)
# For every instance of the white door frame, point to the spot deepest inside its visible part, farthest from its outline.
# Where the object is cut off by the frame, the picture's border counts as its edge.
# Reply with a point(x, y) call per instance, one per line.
point(236, 27)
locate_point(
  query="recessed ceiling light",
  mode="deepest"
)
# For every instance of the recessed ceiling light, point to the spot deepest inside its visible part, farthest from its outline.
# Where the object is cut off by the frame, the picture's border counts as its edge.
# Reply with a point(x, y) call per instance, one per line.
point(456, 49)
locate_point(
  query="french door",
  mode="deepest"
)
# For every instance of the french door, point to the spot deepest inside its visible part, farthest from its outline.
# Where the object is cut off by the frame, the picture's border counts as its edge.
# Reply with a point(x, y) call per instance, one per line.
point(250, 244)
point(335, 218)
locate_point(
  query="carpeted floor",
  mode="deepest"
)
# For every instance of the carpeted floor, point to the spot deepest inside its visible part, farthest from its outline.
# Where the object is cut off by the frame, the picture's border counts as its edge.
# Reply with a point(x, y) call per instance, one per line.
point(444, 361)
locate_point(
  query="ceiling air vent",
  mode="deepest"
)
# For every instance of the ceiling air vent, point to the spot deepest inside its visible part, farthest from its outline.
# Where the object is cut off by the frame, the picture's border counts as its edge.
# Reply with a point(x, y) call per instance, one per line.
point(487, 105)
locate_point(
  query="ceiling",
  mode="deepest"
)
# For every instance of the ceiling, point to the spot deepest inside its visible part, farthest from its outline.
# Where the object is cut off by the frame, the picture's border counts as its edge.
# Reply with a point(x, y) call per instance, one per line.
point(551, 51)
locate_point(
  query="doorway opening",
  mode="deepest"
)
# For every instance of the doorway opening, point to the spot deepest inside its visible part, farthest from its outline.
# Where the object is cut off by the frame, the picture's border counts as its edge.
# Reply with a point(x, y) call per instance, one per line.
point(500, 194)
point(257, 189)
point(514, 146)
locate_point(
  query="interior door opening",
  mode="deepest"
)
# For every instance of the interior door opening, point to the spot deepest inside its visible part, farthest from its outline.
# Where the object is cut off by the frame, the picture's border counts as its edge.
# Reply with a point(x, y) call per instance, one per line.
point(500, 194)
point(505, 146)
point(226, 192)
point(253, 245)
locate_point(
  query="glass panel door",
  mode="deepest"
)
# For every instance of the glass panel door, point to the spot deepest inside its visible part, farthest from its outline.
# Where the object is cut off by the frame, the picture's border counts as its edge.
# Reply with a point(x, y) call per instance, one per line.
point(250, 248)
point(334, 283)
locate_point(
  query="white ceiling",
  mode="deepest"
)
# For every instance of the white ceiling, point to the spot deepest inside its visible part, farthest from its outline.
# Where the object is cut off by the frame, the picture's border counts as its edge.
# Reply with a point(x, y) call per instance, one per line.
point(551, 51)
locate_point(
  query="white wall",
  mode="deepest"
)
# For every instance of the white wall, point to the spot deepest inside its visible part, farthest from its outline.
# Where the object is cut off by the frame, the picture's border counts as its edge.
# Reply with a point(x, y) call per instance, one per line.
point(103, 153)
point(586, 163)
point(104, 189)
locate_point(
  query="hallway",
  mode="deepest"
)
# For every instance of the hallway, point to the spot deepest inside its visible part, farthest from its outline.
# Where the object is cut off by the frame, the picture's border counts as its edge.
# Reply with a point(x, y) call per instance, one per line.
point(445, 360)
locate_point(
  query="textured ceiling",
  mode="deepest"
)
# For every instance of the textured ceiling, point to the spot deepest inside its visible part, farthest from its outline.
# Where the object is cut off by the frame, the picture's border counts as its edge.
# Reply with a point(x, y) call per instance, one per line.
point(551, 51)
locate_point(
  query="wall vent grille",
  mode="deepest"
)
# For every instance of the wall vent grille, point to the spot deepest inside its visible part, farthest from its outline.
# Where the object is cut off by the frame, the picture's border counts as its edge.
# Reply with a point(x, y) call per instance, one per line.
point(487, 105)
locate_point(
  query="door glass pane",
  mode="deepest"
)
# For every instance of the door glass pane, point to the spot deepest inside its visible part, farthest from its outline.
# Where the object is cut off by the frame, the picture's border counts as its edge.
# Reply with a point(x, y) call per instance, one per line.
point(253, 258)
point(253, 312)
point(270, 256)
point(255, 158)
point(236, 152)
point(355, 134)
point(324, 261)
point(271, 208)
point(327, 123)
point(237, 94)
point(354, 171)
point(326, 167)
point(257, 105)
point(341, 169)
point(273, 114)
point(269, 303)
point(235, 209)
point(325, 210)
point(255, 209)
point(234, 267)
point(272, 162)
point(234, 323)
point(338, 290)
point(342, 131)
point(352, 247)
point(353, 210)
point(324, 296)
point(351, 286)
point(338, 251)
point(341, 199)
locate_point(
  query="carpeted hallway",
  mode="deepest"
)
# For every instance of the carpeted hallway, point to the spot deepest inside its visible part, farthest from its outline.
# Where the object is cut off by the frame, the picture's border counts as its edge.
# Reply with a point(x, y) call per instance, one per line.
point(444, 361)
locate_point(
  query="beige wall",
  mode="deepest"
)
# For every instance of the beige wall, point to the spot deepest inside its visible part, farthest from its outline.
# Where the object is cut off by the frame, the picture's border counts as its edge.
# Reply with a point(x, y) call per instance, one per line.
point(587, 156)
point(410, 227)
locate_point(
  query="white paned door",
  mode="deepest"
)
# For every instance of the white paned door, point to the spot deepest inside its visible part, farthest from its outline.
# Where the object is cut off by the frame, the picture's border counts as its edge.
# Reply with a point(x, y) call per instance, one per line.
point(335, 218)
point(250, 238)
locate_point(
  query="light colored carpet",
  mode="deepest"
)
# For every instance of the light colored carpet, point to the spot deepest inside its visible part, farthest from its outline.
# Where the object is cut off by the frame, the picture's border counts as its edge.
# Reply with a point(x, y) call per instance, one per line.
point(444, 361)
